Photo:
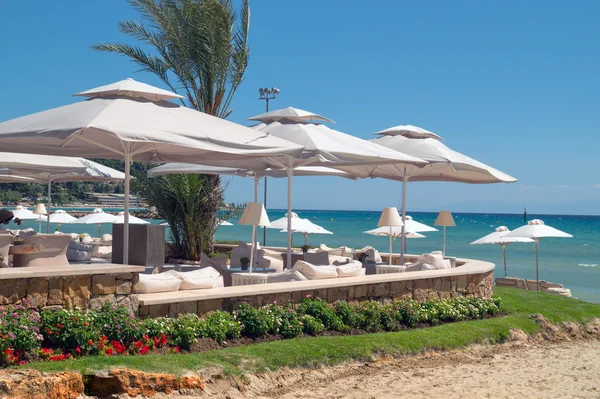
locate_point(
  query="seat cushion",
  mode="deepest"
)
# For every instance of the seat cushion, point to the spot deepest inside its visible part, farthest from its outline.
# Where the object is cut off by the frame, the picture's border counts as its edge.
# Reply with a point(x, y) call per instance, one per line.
point(314, 272)
point(434, 261)
point(351, 269)
point(218, 262)
point(162, 282)
point(373, 255)
point(285, 277)
point(203, 278)
point(317, 258)
point(339, 260)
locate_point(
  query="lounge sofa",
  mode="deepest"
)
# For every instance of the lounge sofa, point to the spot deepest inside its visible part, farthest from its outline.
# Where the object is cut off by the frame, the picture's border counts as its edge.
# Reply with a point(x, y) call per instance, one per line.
point(337, 270)
point(171, 281)
point(243, 251)
point(42, 250)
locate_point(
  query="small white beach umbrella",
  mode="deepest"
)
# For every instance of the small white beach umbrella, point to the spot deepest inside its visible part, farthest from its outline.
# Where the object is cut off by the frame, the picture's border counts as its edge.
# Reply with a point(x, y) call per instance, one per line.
point(396, 233)
point(444, 164)
point(225, 223)
point(97, 217)
point(133, 121)
point(20, 212)
point(302, 226)
point(498, 237)
point(132, 219)
point(536, 230)
point(61, 217)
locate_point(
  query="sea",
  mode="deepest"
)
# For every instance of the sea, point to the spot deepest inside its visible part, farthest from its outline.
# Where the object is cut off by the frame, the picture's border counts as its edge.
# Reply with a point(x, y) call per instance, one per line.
point(573, 262)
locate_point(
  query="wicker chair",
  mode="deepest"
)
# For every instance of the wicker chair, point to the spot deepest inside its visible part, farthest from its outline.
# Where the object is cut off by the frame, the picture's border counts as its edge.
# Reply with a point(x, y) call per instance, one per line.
point(42, 250)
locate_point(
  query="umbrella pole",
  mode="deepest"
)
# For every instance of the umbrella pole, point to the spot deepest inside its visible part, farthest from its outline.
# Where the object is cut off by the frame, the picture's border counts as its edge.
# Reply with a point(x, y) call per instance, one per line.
point(391, 238)
point(403, 237)
point(290, 173)
point(98, 224)
point(252, 249)
point(306, 239)
point(444, 243)
point(49, 202)
point(537, 270)
point(504, 252)
point(126, 211)
point(255, 191)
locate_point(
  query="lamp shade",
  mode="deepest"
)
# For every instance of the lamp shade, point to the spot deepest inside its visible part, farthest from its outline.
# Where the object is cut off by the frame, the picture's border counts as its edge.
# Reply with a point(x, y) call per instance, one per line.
point(40, 209)
point(255, 215)
point(390, 217)
point(445, 219)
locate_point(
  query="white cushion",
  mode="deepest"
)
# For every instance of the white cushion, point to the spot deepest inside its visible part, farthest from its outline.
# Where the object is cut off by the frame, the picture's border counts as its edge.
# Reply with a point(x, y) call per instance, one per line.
point(285, 276)
point(313, 272)
point(27, 233)
point(339, 251)
point(352, 269)
point(434, 261)
point(339, 260)
point(273, 259)
point(163, 282)
point(104, 252)
point(373, 255)
point(203, 278)
point(218, 262)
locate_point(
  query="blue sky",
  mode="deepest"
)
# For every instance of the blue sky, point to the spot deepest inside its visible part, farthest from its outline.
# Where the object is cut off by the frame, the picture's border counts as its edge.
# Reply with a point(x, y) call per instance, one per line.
point(513, 84)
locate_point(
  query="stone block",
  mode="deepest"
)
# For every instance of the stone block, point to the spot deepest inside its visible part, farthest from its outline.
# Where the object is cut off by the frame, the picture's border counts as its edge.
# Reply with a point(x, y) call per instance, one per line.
point(337, 294)
point(461, 283)
point(123, 287)
point(96, 301)
point(144, 310)
point(76, 292)
point(180, 308)
point(320, 293)
point(124, 276)
point(446, 285)
point(381, 290)
point(55, 291)
point(396, 288)
point(297, 296)
point(360, 292)
point(12, 291)
point(131, 302)
point(37, 292)
point(210, 305)
point(103, 284)
point(160, 310)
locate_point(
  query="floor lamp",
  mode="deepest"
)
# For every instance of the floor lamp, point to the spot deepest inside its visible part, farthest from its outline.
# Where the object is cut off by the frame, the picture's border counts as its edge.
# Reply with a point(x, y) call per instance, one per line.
point(444, 219)
point(254, 215)
point(390, 217)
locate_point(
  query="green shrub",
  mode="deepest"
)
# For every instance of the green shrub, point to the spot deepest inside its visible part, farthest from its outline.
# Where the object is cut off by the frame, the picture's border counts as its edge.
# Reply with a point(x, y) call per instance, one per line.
point(347, 313)
point(253, 321)
point(117, 323)
point(311, 325)
point(322, 311)
point(291, 325)
point(71, 329)
point(185, 330)
point(157, 327)
point(19, 329)
point(369, 316)
point(221, 326)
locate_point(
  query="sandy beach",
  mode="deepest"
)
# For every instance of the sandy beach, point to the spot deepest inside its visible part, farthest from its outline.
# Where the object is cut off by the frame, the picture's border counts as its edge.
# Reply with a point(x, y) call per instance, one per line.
point(547, 370)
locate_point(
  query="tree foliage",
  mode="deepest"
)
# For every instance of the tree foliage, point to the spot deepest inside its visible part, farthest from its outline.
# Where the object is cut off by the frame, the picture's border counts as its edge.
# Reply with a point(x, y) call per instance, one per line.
point(198, 48)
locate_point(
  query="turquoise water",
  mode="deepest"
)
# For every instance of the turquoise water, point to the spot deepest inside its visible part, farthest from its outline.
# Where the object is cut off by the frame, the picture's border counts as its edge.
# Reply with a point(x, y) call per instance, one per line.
point(574, 262)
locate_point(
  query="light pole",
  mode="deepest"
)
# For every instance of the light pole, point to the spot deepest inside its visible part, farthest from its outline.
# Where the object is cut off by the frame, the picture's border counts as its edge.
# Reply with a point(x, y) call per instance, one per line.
point(267, 94)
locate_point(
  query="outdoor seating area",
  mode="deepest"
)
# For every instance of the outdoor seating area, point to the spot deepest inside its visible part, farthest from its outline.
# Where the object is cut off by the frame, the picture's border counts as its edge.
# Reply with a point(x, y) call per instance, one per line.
point(532, 285)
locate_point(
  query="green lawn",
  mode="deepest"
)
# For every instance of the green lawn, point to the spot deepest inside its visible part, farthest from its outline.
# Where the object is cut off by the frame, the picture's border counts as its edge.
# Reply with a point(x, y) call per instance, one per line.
point(306, 352)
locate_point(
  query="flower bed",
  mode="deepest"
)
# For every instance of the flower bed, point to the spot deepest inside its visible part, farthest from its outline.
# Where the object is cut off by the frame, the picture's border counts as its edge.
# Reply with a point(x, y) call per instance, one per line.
point(56, 335)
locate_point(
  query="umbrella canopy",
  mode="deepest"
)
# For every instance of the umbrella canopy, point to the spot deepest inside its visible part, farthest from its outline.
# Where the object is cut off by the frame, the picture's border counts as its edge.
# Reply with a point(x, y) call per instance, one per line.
point(129, 120)
point(299, 225)
point(61, 217)
point(290, 114)
point(132, 219)
point(225, 223)
point(444, 164)
point(384, 231)
point(498, 237)
point(97, 217)
point(53, 169)
point(20, 212)
point(536, 229)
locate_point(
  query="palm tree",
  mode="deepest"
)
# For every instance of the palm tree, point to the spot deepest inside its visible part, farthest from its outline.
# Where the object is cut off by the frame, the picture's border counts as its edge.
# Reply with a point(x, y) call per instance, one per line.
point(198, 48)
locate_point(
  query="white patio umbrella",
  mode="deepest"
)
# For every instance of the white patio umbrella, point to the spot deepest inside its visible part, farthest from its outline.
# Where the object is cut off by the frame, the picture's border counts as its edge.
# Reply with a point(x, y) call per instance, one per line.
point(536, 230)
point(61, 217)
point(97, 217)
point(324, 147)
point(444, 164)
point(384, 231)
point(20, 212)
point(129, 120)
point(54, 169)
point(132, 219)
point(225, 223)
point(299, 225)
point(498, 237)
point(411, 229)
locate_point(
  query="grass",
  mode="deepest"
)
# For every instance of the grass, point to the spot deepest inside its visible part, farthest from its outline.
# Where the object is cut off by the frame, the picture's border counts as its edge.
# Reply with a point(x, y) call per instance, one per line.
point(307, 352)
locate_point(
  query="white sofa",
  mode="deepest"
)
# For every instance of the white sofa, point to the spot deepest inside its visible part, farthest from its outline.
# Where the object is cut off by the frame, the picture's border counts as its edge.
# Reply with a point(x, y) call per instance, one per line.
point(172, 281)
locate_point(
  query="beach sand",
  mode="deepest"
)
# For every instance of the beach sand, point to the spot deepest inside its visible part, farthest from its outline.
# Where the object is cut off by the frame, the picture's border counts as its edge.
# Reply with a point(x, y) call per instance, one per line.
point(546, 370)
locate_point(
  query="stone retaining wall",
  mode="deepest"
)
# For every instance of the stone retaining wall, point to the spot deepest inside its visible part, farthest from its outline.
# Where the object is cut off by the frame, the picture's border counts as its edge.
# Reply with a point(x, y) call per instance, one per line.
point(88, 291)
point(479, 285)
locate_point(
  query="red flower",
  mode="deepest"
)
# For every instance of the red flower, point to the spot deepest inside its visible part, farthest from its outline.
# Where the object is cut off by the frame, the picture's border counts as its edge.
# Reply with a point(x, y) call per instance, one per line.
point(78, 349)
point(7, 351)
point(85, 323)
point(109, 351)
point(22, 362)
point(176, 349)
point(144, 350)
point(90, 342)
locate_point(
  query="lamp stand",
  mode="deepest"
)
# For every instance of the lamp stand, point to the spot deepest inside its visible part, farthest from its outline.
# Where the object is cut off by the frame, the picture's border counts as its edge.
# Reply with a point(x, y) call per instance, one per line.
point(391, 245)
point(444, 243)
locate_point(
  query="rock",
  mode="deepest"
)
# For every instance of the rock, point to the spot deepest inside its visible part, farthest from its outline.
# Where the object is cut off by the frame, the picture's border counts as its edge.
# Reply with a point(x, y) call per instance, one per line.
point(55, 291)
point(31, 384)
point(103, 284)
point(12, 290)
point(593, 327)
point(97, 301)
point(134, 383)
point(124, 287)
point(516, 335)
point(76, 292)
point(130, 301)
point(37, 292)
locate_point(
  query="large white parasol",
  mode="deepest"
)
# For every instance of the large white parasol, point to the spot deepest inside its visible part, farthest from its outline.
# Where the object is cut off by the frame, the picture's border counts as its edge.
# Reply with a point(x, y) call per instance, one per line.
point(498, 237)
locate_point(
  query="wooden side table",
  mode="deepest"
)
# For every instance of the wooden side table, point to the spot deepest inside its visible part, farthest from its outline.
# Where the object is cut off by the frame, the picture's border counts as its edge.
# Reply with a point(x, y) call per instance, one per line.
point(245, 278)
point(384, 269)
